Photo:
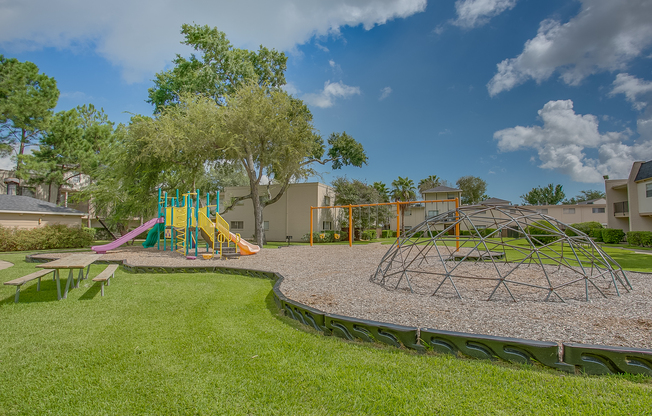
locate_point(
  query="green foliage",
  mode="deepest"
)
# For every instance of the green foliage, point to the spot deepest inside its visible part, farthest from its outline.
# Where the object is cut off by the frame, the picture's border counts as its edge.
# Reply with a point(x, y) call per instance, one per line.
point(403, 190)
point(585, 196)
point(612, 235)
point(45, 238)
point(345, 151)
point(355, 192)
point(218, 71)
point(549, 195)
point(430, 182)
point(383, 191)
point(388, 234)
point(70, 147)
point(542, 232)
point(473, 189)
point(326, 237)
point(639, 238)
point(584, 227)
point(368, 235)
point(596, 234)
point(27, 99)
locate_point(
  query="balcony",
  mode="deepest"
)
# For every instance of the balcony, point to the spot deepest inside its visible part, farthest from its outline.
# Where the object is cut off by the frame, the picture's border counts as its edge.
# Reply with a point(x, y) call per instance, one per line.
point(621, 209)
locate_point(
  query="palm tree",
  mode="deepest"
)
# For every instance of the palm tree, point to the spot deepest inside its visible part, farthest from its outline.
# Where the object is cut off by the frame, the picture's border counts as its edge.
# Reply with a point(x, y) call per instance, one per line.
point(403, 190)
point(429, 183)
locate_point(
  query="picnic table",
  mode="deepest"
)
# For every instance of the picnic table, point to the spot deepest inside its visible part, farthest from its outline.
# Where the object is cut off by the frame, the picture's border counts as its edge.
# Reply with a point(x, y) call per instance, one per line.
point(77, 261)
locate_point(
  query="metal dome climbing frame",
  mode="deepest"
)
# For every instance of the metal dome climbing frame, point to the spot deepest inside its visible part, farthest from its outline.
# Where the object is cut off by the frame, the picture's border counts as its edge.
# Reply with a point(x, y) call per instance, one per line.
point(499, 252)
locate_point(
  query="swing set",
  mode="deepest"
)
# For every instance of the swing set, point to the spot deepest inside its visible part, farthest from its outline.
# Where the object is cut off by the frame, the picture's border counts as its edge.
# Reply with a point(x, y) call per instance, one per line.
point(398, 215)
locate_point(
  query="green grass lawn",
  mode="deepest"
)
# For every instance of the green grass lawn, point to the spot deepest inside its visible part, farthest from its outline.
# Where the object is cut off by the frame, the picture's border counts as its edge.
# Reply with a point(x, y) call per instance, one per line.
point(214, 344)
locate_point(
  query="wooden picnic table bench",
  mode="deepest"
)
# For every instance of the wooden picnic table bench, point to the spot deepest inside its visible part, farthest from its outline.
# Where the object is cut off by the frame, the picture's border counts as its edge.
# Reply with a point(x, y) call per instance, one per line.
point(22, 280)
point(107, 274)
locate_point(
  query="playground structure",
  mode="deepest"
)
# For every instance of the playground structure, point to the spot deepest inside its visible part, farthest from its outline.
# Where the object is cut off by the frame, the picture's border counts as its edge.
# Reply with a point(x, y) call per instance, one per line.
point(504, 252)
point(182, 222)
point(398, 205)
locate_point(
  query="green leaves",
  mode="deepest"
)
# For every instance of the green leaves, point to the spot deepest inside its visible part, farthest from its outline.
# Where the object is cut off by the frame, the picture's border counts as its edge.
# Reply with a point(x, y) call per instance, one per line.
point(403, 189)
point(549, 195)
point(344, 150)
point(218, 71)
point(473, 189)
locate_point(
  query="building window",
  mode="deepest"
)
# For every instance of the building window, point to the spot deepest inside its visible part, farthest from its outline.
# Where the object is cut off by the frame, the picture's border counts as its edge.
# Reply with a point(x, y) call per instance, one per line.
point(327, 201)
point(542, 210)
point(408, 212)
point(433, 212)
point(569, 210)
point(648, 190)
point(237, 225)
point(266, 225)
point(597, 210)
point(326, 226)
point(450, 196)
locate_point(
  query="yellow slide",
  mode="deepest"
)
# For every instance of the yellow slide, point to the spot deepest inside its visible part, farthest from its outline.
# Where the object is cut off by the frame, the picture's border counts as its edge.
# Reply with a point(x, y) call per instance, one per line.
point(208, 228)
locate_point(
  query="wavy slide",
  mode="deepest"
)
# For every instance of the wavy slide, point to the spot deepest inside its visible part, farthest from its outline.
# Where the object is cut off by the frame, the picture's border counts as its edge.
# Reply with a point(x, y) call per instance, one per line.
point(130, 235)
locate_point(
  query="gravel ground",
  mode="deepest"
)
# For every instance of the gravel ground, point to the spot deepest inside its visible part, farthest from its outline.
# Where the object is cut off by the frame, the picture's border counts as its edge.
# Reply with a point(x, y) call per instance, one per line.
point(336, 279)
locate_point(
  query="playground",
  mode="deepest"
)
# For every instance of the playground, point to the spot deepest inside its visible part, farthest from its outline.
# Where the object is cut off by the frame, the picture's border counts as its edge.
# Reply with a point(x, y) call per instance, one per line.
point(336, 279)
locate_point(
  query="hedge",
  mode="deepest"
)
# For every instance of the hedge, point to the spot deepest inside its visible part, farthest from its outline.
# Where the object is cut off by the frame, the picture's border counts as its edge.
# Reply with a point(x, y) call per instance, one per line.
point(585, 227)
point(48, 237)
point(612, 235)
point(640, 238)
point(540, 233)
point(388, 234)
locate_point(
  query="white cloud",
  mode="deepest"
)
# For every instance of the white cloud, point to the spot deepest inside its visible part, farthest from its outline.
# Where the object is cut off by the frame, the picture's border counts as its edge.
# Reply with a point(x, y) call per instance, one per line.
point(474, 13)
point(384, 93)
point(605, 36)
point(563, 141)
point(639, 93)
point(142, 36)
point(326, 97)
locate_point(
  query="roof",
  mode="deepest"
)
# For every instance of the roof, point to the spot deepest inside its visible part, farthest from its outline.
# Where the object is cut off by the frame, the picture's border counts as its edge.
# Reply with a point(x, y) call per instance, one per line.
point(644, 172)
point(26, 204)
point(441, 189)
point(495, 201)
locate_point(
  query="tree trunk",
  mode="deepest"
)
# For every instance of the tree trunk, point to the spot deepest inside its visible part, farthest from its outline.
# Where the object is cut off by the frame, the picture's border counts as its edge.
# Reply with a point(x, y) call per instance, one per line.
point(258, 214)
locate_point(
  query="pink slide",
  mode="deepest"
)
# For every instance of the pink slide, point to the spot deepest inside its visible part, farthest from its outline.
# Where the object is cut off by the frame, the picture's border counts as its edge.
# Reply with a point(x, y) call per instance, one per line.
point(130, 235)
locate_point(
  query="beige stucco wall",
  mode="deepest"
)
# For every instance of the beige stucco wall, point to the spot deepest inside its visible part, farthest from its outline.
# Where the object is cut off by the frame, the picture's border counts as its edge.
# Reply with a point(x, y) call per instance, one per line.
point(641, 218)
point(29, 221)
point(644, 202)
point(290, 215)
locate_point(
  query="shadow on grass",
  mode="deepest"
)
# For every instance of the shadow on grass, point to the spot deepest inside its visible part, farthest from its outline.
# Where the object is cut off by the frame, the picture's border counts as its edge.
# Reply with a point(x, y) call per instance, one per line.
point(92, 291)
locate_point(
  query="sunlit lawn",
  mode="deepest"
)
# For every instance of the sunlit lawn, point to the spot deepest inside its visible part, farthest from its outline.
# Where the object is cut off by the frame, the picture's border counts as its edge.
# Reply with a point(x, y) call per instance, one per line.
point(213, 344)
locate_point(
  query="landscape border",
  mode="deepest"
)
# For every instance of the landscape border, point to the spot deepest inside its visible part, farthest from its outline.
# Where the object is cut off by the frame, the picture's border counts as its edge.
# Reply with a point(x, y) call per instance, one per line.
point(575, 358)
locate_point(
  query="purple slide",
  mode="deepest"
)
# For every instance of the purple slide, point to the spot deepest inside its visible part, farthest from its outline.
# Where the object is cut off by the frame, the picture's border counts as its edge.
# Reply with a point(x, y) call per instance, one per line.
point(130, 235)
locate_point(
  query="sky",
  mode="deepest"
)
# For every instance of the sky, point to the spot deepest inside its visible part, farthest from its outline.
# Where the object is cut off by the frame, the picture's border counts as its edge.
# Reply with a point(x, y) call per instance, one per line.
point(521, 93)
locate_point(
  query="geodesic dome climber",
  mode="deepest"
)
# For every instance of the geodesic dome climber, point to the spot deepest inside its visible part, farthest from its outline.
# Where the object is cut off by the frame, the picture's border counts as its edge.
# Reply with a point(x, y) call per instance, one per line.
point(499, 253)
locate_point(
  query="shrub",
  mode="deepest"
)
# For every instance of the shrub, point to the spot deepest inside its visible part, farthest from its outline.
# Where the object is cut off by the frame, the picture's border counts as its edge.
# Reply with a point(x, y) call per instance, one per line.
point(596, 234)
point(640, 238)
point(612, 235)
point(49, 237)
point(368, 235)
point(388, 234)
point(585, 227)
point(540, 233)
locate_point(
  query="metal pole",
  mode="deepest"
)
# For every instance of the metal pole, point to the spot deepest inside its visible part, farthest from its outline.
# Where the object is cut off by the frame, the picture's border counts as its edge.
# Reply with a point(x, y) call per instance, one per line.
point(398, 220)
point(196, 222)
point(311, 226)
point(350, 225)
point(457, 224)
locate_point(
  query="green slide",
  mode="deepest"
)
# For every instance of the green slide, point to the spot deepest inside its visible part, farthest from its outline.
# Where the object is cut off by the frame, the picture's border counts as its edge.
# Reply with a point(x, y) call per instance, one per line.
point(154, 235)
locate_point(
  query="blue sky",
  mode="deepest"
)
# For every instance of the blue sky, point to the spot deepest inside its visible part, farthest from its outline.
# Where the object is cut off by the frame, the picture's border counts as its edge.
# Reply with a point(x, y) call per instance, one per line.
point(521, 93)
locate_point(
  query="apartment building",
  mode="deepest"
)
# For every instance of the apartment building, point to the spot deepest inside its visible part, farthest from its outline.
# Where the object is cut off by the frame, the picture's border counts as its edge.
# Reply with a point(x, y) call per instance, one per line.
point(417, 213)
point(629, 201)
point(289, 216)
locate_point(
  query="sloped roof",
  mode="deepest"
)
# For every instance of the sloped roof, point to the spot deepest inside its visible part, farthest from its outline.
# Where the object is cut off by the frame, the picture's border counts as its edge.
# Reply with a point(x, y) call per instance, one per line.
point(644, 172)
point(441, 189)
point(496, 201)
point(26, 204)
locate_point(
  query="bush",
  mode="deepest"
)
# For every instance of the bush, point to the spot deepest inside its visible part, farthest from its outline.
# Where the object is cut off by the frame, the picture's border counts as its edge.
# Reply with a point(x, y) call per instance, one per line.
point(640, 238)
point(49, 237)
point(612, 235)
point(326, 237)
point(596, 234)
point(540, 233)
point(388, 234)
point(368, 235)
point(585, 227)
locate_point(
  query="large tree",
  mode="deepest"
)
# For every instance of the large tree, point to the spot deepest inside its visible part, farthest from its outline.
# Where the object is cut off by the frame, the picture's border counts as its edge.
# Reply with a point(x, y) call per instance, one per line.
point(271, 135)
point(27, 99)
point(403, 190)
point(548, 195)
point(356, 192)
point(587, 195)
point(218, 71)
point(69, 148)
point(473, 189)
